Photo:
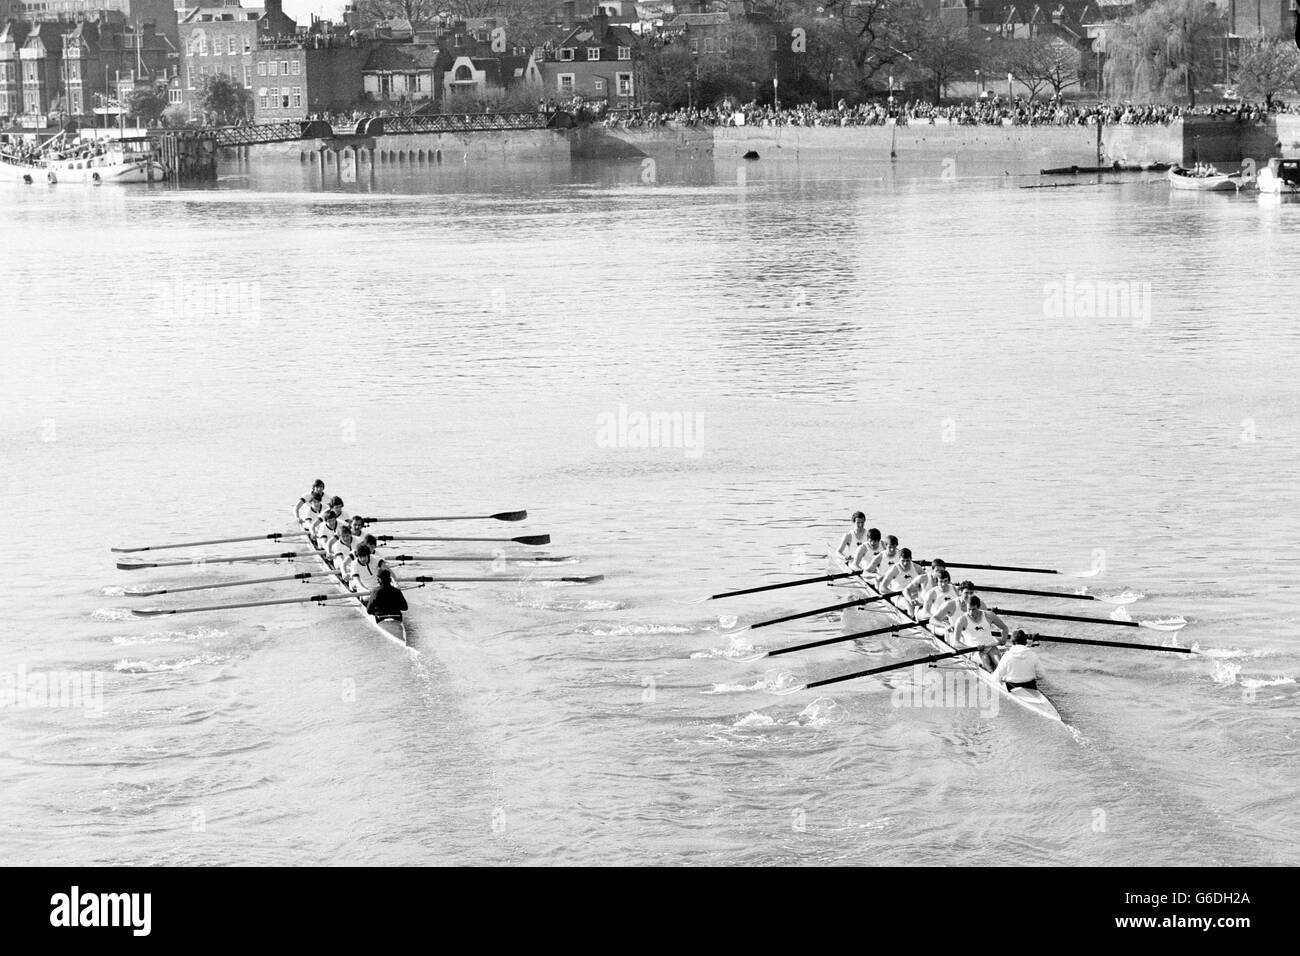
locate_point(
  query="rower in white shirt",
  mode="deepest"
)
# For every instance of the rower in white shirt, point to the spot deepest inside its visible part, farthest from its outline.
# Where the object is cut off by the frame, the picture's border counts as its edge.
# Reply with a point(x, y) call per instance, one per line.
point(868, 550)
point(327, 529)
point(340, 549)
point(977, 626)
point(317, 493)
point(363, 570)
point(1019, 664)
point(946, 612)
point(855, 537)
point(902, 573)
point(880, 564)
point(918, 587)
point(936, 597)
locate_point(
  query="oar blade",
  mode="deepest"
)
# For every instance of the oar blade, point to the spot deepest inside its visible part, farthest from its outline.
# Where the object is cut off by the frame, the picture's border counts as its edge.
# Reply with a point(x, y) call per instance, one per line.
point(585, 579)
point(510, 515)
point(533, 539)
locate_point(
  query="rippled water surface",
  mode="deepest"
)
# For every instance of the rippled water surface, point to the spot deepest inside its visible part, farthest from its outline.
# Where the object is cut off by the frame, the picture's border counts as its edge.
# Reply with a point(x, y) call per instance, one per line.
point(180, 364)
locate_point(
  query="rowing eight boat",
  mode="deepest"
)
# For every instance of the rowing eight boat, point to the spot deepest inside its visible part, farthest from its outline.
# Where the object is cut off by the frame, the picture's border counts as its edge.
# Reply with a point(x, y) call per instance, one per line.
point(1032, 700)
point(393, 629)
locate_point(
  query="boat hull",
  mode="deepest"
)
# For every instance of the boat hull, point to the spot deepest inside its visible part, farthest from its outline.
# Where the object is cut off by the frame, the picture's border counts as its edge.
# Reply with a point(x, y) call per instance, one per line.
point(393, 630)
point(57, 171)
point(1032, 700)
point(1224, 182)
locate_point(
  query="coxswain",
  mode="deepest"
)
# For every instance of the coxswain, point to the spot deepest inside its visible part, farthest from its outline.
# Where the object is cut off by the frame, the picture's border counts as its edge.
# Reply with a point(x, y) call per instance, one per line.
point(855, 537)
point(386, 602)
point(976, 626)
point(1018, 667)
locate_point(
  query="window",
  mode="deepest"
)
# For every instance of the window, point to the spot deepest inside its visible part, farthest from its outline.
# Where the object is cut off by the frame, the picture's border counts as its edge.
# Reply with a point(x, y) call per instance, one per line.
point(189, 78)
point(231, 46)
point(722, 44)
point(464, 74)
point(624, 81)
point(600, 86)
point(261, 97)
point(248, 79)
point(695, 47)
point(625, 53)
point(564, 83)
point(773, 41)
point(284, 66)
point(297, 67)
point(216, 46)
point(274, 98)
point(261, 68)
point(566, 54)
point(174, 95)
point(708, 44)
point(284, 98)
point(297, 96)
point(593, 53)
point(248, 44)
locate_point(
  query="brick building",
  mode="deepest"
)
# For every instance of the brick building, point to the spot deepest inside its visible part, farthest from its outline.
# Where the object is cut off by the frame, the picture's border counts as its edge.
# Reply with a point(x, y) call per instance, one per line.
point(592, 61)
point(13, 35)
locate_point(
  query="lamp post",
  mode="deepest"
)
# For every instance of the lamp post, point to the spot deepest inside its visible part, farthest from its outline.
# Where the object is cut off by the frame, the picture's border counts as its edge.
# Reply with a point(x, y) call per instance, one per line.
point(776, 98)
point(979, 83)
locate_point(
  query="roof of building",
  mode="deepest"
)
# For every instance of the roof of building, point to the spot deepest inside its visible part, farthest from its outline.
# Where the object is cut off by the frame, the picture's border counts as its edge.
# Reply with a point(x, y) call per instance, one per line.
point(397, 57)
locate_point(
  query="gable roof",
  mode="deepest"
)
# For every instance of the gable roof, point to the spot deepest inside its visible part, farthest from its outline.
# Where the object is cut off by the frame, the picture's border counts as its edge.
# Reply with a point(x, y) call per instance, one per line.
point(394, 57)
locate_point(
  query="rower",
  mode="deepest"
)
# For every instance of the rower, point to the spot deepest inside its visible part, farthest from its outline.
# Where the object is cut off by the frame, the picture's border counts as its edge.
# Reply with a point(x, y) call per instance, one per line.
point(936, 597)
point(317, 491)
point(868, 550)
point(904, 572)
point(880, 564)
point(855, 537)
point(340, 548)
point(976, 627)
point(363, 571)
point(926, 582)
point(310, 509)
point(386, 602)
point(336, 504)
point(326, 530)
point(944, 613)
point(1019, 664)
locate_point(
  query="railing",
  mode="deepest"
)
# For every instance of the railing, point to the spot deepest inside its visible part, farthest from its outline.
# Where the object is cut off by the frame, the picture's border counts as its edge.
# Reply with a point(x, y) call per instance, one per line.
point(283, 132)
point(452, 123)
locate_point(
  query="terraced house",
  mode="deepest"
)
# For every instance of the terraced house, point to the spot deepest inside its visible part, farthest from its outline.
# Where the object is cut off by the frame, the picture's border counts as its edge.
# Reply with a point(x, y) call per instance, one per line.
point(221, 40)
point(593, 61)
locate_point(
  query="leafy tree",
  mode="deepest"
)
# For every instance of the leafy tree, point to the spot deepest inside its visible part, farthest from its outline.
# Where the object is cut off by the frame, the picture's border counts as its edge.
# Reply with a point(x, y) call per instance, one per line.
point(225, 101)
point(147, 105)
point(1164, 50)
point(1268, 67)
point(665, 71)
point(869, 37)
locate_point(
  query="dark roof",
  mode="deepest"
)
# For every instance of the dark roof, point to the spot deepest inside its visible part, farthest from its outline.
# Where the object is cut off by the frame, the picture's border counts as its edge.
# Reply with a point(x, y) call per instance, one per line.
point(402, 56)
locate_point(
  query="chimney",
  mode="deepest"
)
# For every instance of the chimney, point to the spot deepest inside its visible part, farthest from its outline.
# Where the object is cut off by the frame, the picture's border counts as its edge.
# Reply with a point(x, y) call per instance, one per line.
point(570, 14)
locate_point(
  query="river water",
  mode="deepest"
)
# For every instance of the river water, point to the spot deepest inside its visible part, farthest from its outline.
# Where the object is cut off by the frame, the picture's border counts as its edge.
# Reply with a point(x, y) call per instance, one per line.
point(1062, 378)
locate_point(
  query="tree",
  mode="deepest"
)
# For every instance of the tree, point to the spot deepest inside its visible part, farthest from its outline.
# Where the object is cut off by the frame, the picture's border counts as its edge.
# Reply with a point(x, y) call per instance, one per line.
point(665, 71)
point(146, 105)
point(1161, 52)
point(1041, 62)
point(415, 12)
point(944, 50)
point(1266, 68)
point(225, 101)
point(870, 37)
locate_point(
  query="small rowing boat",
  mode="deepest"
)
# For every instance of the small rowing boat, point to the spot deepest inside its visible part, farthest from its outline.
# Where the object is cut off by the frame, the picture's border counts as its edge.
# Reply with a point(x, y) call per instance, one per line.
point(1032, 700)
point(1204, 179)
point(392, 628)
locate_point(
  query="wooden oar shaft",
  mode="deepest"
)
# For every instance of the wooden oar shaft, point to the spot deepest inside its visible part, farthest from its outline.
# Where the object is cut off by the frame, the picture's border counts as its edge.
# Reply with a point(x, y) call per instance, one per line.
point(784, 584)
point(499, 516)
point(1043, 615)
point(824, 610)
point(404, 558)
point(892, 667)
point(314, 599)
point(303, 576)
point(585, 579)
point(1032, 593)
point(530, 539)
point(844, 637)
point(1123, 644)
point(138, 565)
point(994, 567)
point(272, 536)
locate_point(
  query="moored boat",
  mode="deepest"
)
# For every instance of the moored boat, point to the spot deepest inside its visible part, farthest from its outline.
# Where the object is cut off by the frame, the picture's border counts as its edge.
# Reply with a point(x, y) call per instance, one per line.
point(1204, 179)
point(1032, 700)
point(1279, 176)
point(119, 160)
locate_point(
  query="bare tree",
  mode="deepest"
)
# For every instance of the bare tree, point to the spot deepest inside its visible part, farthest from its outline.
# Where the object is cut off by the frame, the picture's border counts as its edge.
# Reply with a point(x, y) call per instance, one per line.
point(1266, 68)
point(1043, 62)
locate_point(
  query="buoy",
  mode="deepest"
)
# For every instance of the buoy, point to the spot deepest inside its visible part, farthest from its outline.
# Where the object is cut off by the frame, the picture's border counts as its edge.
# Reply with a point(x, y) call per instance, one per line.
point(51, 178)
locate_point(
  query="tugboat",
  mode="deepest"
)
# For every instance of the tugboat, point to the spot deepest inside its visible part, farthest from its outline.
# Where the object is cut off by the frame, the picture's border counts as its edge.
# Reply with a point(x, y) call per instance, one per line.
point(123, 159)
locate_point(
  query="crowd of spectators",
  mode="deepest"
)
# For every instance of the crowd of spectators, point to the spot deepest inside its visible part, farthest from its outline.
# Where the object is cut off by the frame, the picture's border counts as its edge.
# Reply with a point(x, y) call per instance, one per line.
point(989, 112)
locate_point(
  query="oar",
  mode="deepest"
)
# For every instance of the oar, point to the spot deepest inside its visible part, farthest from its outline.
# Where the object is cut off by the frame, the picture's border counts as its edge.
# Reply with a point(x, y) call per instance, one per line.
point(303, 576)
point(531, 539)
point(314, 599)
point(1135, 647)
point(404, 558)
point(138, 565)
point(1064, 595)
point(273, 536)
point(776, 587)
point(1007, 567)
point(499, 516)
point(882, 669)
point(831, 640)
point(815, 611)
point(588, 579)
point(1176, 624)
